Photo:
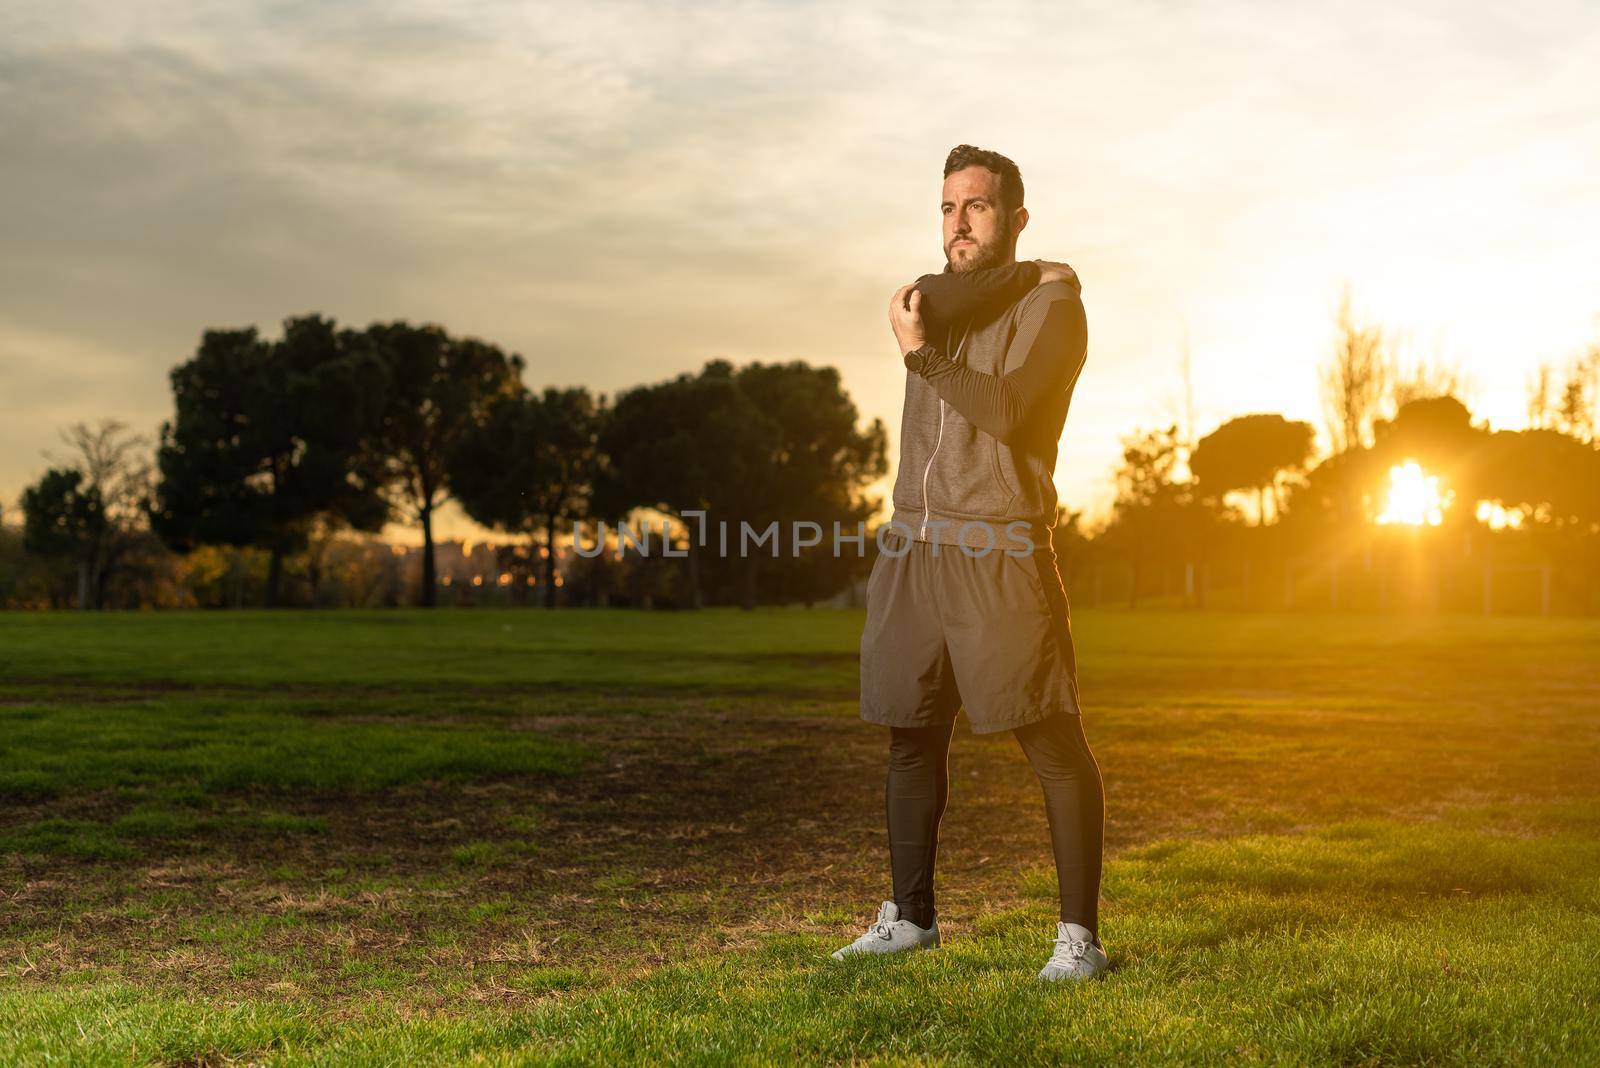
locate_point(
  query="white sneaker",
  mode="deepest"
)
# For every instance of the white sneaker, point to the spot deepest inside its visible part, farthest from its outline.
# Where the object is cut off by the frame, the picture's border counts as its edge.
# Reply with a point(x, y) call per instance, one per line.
point(1077, 956)
point(890, 934)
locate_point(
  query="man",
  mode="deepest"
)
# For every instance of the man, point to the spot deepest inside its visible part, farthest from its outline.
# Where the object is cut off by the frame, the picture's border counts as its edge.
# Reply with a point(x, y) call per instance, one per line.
point(993, 350)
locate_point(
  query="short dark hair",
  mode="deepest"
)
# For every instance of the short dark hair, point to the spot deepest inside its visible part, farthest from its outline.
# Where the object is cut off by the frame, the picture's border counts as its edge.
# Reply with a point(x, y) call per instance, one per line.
point(963, 156)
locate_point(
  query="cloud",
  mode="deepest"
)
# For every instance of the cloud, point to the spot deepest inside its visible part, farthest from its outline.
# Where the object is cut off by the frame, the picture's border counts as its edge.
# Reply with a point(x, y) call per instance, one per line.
point(620, 191)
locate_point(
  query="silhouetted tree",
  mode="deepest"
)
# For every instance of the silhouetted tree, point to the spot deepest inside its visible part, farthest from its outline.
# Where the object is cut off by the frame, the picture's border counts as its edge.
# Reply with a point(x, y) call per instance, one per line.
point(768, 443)
point(1251, 452)
point(1155, 520)
point(1438, 433)
point(1074, 546)
point(1572, 406)
point(1579, 409)
point(268, 436)
point(1340, 493)
point(1354, 381)
point(1554, 480)
point(64, 519)
point(691, 443)
point(116, 467)
point(439, 388)
point(1422, 380)
point(530, 466)
point(1553, 477)
point(817, 464)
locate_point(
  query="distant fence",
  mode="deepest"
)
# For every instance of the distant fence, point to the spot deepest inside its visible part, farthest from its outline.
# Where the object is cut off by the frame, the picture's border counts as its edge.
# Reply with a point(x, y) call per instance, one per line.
point(1380, 583)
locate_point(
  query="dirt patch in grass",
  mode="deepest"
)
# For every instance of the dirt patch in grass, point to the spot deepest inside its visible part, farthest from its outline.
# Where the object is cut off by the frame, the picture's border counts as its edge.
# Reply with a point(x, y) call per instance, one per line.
point(698, 827)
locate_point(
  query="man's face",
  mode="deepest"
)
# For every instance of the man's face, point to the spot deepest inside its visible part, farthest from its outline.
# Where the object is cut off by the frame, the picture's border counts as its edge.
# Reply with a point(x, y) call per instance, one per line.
point(978, 231)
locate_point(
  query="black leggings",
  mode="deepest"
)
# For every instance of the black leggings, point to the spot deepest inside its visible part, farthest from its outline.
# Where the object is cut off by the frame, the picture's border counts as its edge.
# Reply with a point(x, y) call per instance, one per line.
point(1074, 802)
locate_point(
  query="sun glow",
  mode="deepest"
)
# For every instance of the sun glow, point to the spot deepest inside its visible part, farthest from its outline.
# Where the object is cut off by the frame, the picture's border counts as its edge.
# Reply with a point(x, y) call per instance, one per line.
point(1499, 517)
point(1413, 498)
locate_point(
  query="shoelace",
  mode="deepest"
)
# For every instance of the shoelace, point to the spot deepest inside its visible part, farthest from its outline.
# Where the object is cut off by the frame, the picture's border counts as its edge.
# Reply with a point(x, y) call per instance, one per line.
point(1075, 950)
point(880, 927)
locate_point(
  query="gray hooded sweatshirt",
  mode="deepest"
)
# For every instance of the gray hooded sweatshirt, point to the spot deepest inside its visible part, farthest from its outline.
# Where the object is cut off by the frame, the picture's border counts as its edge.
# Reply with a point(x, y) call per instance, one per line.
point(982, 421)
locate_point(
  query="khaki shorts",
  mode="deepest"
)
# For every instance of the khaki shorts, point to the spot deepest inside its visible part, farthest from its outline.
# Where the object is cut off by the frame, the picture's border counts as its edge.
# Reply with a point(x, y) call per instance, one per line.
point(944, 631)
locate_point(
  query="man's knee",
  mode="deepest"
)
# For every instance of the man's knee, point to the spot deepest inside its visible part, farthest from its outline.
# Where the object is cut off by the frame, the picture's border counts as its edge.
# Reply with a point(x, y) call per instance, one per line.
point(912, 748)
point(1055, 746)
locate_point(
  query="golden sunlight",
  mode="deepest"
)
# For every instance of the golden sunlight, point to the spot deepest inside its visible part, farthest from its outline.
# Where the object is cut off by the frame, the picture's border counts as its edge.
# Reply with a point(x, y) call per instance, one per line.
point(1499, 517)
point(1413, 497)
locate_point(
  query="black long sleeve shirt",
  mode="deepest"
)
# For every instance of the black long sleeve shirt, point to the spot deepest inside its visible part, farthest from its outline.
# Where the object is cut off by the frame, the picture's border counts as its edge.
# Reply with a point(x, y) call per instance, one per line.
point(1051, 339)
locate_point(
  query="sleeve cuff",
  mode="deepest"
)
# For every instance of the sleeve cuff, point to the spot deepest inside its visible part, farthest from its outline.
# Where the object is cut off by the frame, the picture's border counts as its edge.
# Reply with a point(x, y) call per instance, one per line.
point(932, 356)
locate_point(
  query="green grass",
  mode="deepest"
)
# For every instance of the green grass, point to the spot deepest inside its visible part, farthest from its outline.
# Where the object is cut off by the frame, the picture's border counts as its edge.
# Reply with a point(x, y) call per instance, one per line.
point(788, 652)
point(1367, 943)
point(602, 837)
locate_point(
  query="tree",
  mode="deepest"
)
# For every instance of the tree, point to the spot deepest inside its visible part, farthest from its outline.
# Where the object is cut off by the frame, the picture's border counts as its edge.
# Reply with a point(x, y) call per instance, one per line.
point(1337, 495)
point(768, 443)
point(1438, 433)
point(267, 438)
point(1579, 408)
point(1541, 409)
point(1354, 380)
point(1251, 452)
point(688, 444)
point(116, 468)
point(817, 465)
point(64, 518)
point(1156, 520)
point(530, 465)
point(1554, 480)
point(1553, 477)
point(439, 388)
point(1423, 380)
point(1575, 407)
point(1074, 545)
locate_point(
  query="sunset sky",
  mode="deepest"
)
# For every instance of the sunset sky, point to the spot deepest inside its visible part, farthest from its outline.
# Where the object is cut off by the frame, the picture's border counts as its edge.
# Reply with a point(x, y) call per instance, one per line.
point(620, 192)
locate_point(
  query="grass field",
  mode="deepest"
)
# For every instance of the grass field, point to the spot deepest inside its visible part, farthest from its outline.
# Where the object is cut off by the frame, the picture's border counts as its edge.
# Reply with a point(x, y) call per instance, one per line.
point(596, 837)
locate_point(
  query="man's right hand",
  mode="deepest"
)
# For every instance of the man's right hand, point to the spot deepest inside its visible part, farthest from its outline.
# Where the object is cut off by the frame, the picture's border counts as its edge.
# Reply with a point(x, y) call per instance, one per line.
point(905, 318)
point(1051, 271)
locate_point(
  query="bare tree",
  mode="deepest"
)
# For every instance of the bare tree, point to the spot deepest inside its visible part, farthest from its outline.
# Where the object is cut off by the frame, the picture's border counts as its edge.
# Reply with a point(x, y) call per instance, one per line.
point(1579, 407)
point(1541, 411)
point(115, 463)
point(1422, 380)
point(1354, 380)
point(1178, 412)
point(1573, 407)
point(117, 466)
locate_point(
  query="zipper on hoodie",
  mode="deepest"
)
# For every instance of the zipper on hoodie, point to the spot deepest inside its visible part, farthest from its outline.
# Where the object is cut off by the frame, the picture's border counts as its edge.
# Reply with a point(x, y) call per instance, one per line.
point(926, 505)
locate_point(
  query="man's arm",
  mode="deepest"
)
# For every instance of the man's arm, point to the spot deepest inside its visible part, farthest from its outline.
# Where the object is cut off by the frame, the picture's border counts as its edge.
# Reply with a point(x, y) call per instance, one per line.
point(952, 297)
point(1053, 335)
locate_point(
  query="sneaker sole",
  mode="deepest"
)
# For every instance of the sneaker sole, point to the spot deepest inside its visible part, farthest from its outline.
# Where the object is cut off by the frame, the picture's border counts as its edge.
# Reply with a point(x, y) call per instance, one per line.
point(909, 949)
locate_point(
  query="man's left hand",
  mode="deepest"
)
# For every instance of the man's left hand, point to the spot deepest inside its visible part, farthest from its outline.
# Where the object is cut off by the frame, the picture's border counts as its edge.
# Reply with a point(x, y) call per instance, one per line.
point(1051, 271)
point(905, 317)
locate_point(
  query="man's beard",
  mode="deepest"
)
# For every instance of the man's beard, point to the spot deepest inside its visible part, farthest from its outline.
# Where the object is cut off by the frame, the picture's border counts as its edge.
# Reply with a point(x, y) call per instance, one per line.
point(981, 256)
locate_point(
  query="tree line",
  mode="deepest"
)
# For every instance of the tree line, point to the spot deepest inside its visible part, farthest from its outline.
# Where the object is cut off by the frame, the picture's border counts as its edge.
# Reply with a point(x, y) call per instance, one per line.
point(1317, 519)
point(276, 446)
point(274, 441)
